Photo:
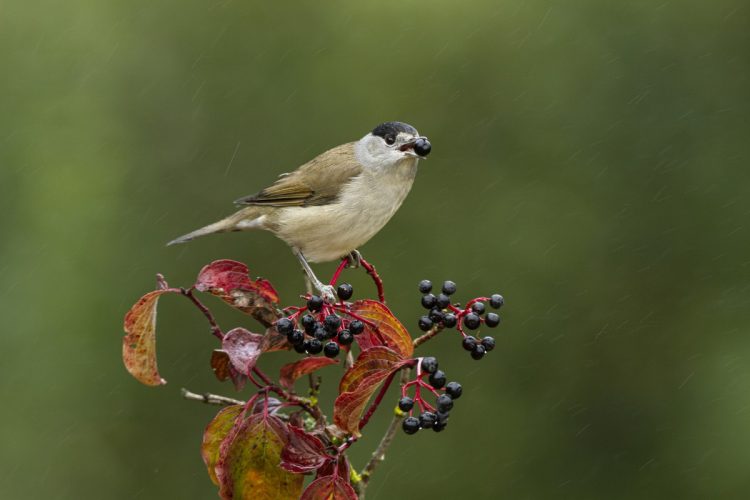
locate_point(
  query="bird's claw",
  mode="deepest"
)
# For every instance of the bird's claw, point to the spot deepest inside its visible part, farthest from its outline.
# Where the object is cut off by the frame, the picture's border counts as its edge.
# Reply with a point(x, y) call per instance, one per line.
point(354, 259)
point(328, 293)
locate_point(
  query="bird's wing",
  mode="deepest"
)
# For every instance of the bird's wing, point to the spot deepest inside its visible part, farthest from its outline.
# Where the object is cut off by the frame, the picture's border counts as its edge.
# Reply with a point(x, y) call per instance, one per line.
point(317, 182)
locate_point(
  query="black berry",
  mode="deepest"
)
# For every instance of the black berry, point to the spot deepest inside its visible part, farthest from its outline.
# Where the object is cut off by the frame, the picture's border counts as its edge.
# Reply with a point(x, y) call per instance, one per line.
point(405, 404)
point(320, 333)
point(313, 346)
point(315, 304)
point(454, 390)
point(332, 323)
point(356, 327)
point(345, 291)
point(449, 288)
point(469, 343)
point(410, 425)
point(488, 343)
point(437, 379)
point(439, 426)
point(444, 403)
point(331, 349)
point(422, 147)
point(478, 307)
point(309, 323)
point(427, 419)
point(478, 352)
point(300, 348)
point(443, 301)
point(492, 320)
point(429, 364)
point(295, 337)
point(472, 321)
point(436, 315)
point(345, 337)
point(497, 301)
point(449, 320)
point(425, 323)
point(429, 301)
point(284, 326)
point(425, 286)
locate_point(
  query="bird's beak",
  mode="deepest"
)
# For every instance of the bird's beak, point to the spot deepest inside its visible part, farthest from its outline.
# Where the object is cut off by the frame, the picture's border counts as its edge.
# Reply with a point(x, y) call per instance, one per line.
point(408, 149)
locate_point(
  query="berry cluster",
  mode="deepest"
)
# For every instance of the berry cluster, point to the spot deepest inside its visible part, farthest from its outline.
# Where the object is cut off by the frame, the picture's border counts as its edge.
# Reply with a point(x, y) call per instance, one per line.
point(435, 418)
point(321, 329)
point(442, 312)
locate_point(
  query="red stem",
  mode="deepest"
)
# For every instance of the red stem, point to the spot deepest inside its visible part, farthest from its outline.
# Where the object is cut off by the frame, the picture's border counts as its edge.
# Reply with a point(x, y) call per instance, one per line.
point(210, 317)
point(375, 277)
point(336, 275)
point(378, 399)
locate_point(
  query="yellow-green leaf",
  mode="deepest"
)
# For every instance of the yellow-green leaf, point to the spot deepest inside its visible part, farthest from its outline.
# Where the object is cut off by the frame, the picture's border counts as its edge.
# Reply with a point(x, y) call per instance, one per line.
point(215, 433)
point(248, 466)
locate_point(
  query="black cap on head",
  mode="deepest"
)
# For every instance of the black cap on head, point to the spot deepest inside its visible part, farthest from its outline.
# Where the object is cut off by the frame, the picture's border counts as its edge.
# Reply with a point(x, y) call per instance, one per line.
point(392, 129)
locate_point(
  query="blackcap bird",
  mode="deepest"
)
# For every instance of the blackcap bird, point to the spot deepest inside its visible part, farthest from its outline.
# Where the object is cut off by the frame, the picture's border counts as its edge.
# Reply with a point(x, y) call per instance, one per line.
point(337, 201)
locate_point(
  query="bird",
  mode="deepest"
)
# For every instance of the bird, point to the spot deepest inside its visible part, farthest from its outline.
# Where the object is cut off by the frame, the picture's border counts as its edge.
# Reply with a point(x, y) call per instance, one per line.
point(332, 205)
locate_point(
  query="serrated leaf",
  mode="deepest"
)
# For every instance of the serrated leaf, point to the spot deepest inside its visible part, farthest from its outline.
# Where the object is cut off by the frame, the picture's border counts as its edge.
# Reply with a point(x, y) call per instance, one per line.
point(216, 431)
point(303, 452)
point(390, 332)
point(248, 467)
point(292, 371)
point(243, 348)
point(329, 488)
point(230, 280)
point(139, 343)
point(359, 383)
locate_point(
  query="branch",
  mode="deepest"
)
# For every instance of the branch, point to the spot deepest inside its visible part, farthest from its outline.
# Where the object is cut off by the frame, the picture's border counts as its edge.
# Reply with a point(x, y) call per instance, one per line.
point(427, 336)
point(209, 316)
point(379, 454)
point(210, 399)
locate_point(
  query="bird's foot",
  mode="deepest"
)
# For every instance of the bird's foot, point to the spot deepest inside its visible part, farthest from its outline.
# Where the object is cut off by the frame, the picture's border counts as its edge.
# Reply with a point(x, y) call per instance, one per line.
point(355, 259)
point(327, 292)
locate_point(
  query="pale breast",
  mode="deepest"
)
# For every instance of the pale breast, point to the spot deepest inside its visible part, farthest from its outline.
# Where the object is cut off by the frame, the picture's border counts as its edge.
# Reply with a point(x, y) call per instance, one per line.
point(329, 232)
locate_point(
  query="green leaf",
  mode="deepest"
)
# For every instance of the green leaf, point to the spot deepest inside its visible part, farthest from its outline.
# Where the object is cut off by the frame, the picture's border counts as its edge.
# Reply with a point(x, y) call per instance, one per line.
point(248, 466)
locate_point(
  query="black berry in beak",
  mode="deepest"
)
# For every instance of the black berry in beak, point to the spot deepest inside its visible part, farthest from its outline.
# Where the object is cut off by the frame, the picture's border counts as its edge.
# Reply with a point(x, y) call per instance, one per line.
point(422, 146)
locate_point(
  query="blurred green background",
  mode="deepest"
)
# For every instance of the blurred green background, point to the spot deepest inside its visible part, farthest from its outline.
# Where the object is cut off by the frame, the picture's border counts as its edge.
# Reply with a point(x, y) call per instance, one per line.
point(590, 162)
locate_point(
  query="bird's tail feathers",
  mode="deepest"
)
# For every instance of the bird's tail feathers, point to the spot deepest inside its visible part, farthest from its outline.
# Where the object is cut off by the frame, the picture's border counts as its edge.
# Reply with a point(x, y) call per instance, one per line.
point(222, 226)
point(248, 218)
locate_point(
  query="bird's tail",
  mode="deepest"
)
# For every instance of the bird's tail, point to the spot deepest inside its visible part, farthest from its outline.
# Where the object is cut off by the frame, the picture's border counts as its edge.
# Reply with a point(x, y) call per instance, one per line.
point(242, 220)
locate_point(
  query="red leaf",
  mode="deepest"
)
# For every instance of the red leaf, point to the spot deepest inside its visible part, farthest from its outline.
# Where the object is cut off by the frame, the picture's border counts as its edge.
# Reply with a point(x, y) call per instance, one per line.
point(229, 280)
point(215, 433)
point(139, 343)
point(243, 348)
point(274, 341)
point(340, 467)
point(390, 332)
point(303, 452)
point(329, 488)
point(248, 467)
point(360, 381)
point(292, 371)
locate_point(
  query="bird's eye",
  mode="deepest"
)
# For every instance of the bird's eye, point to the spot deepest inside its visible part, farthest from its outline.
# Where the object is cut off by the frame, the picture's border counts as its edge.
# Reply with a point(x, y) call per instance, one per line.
point(390, 140)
